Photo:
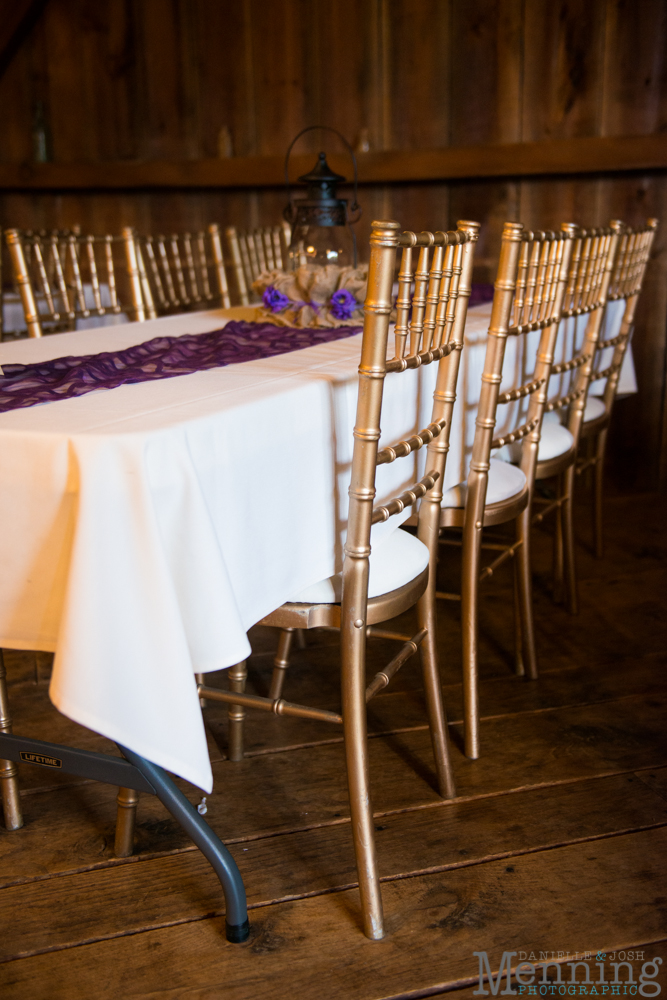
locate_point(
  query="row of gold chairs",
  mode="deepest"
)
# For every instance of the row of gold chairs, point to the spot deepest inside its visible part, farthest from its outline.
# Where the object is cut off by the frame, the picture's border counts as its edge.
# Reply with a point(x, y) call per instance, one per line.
point(545, 281)
point(559, 278)
point(64, 278)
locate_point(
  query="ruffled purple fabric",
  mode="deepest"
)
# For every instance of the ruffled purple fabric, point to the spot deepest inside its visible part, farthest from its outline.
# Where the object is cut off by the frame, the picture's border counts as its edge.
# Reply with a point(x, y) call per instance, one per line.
point(162, 357)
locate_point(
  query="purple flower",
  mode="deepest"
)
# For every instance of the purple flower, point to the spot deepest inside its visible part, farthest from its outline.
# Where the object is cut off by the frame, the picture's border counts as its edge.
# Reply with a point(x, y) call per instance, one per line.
point(342, 304)
point(274, 300)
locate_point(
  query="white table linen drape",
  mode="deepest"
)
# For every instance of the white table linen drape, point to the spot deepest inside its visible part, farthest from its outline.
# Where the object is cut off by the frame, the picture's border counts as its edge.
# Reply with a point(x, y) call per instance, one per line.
point(146, 528)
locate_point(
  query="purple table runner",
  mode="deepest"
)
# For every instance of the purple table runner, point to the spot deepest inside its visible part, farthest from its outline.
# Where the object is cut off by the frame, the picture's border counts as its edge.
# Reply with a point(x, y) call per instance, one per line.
point(162, 357)
point(166, 357)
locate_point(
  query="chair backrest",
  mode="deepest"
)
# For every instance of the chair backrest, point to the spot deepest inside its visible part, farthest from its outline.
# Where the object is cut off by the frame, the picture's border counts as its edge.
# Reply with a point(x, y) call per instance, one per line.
point(528, 298)
point(65, 277)
point(177, 273)
point(255, 251)
point(429, 328)
point(2, 288)
point(632, 257)
point(588, 283)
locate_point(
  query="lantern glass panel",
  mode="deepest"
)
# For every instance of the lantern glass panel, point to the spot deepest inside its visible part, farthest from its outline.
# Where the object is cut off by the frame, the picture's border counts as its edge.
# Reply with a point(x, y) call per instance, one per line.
point(321, 245)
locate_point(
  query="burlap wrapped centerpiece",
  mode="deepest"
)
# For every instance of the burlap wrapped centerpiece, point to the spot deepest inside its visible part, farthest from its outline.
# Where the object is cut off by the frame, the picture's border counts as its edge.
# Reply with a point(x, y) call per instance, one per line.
point(313, 296)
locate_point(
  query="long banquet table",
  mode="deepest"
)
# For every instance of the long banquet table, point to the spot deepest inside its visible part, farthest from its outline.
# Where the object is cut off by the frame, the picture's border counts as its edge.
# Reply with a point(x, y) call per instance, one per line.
point(146, 528)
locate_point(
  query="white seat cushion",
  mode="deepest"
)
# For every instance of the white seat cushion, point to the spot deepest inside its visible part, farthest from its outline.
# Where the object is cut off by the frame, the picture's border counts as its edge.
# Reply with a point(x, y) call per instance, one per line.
point(395, 561)
point(594, 408)
point(555, 439)
point(505, 481)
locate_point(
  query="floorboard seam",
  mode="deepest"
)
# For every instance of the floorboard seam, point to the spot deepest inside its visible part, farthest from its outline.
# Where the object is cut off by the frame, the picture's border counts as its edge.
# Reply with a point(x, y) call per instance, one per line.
point(296, 897)
point(343, 820)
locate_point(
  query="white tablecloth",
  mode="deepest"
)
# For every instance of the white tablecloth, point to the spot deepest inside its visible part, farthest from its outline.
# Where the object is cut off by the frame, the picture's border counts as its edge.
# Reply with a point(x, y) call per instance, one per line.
point(144, 529)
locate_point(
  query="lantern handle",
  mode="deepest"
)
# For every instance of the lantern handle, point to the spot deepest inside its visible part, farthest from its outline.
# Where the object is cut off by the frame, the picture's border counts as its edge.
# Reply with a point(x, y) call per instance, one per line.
point(327, 128)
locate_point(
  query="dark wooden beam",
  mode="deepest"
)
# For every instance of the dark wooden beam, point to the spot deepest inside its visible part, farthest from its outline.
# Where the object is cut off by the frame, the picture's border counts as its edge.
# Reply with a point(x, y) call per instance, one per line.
point(595, 155)
point(15, 26)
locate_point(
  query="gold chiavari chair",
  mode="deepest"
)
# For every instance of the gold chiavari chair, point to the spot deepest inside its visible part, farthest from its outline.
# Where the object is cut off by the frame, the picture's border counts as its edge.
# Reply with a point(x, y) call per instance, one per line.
point(12, 324)
point(588, 283)
point(382, 581)
point(527, 301)
point(63, 278)
point(255, 251)
point(625, 286)
point(2, 289)
point(237, 264)
point(9, 784)
point(177, 273)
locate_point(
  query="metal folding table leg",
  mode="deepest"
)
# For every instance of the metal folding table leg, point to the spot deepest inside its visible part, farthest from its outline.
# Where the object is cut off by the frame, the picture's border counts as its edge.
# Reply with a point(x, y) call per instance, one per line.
point(236, 918)
point(135, 772)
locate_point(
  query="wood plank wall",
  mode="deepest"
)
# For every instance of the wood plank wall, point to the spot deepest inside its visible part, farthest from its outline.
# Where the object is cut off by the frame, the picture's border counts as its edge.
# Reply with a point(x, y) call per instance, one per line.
point(158, 80)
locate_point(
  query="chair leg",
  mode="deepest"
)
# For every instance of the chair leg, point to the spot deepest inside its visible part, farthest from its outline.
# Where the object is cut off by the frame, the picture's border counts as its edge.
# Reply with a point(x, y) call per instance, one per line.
point(523, 577)
point(469, 629)
point(301, 638)
point(590, 453)
point(353, 685)
point(435, 708)
point(600, 446)
point(558, 547)
point(125, 818)
point(281, 662)
point(201, 680)
point(236, 713)
point(568, 539)
point(11, 803)
point(519, 665)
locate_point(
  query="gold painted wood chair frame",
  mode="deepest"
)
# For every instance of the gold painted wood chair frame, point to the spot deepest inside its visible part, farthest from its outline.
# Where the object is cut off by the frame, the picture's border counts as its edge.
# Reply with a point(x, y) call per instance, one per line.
point(626, 283)
point(9, 784)
point(436, 335)
point(593, 261)
point(528, 296)
point(49, 272)
point(177, 273)
point(2, 288)
point(427, 296)
point(237, 264)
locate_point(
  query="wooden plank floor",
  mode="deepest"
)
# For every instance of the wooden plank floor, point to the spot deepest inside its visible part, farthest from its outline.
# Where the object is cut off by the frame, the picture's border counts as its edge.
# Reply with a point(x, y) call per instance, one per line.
point(557, 841)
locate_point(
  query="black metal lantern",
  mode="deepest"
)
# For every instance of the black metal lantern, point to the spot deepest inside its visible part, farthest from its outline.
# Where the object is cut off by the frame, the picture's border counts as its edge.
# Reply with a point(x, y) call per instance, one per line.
point(321, 225)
